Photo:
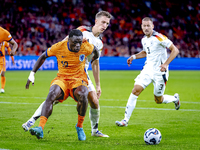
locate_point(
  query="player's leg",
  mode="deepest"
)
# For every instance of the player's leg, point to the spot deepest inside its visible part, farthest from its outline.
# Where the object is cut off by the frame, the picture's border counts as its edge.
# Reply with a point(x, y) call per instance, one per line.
point(130, 106)
point(3, 81)
point(26, 126)
point(141, 82)
point(159, 88)
point(3, 78)
point(55, 92)
point(81, 95)
point(94, 114)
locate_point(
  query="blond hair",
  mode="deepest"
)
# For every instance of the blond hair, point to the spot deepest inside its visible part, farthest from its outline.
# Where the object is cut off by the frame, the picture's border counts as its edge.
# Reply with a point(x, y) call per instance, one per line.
point(103, 13)
point(147, 19)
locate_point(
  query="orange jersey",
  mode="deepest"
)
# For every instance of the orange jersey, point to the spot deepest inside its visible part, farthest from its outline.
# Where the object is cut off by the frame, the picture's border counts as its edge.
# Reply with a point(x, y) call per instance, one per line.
point(70, 64)
point(4, 35)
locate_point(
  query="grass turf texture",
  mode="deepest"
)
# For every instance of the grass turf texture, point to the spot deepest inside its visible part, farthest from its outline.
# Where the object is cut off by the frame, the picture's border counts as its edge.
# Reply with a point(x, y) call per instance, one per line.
point(179, 129)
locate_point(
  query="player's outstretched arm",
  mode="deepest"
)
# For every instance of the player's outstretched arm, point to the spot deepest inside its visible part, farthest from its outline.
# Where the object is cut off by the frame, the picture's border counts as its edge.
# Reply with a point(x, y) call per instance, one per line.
point(37, 65)
point(139, 55)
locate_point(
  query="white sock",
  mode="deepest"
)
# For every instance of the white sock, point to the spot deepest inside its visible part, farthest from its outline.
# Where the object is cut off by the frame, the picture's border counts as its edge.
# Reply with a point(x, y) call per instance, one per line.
point(130, 106)
point(94, 115)
point(168, 99)
point(37, 114)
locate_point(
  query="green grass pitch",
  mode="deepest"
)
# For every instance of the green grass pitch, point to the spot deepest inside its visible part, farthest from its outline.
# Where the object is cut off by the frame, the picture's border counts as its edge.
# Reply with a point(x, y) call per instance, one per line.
point(180, 129)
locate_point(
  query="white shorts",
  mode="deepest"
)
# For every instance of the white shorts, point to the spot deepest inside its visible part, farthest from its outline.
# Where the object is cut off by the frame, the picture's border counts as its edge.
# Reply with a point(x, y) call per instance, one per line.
point(159, 82)
point(90, 84)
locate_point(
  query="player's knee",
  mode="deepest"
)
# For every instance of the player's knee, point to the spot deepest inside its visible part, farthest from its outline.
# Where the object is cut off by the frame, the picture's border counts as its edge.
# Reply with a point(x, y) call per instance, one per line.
point(158, 99)
point(82, 94)
point(52, 96)
point(136, 91)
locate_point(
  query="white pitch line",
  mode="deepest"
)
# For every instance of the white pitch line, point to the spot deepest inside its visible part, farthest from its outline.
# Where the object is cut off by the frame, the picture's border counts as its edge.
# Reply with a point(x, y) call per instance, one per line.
point(44, 98)
point(102, 106)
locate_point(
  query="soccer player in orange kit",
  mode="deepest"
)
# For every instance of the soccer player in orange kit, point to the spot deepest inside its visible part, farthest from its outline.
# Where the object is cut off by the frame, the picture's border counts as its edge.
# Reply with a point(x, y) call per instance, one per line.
point(71, 78)
point(4, 45)
point(6, 36)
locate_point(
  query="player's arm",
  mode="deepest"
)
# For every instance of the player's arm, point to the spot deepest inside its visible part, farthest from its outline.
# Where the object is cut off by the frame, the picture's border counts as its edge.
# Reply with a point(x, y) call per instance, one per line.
point(139, 55)
point(96, 71)
point(37, 65)
point(14, 47)
point(9, 51)
point(174, 53)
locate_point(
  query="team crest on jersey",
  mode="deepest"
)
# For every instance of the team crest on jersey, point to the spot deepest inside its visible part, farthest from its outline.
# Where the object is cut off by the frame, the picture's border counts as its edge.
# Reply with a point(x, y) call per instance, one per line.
point(82, 57)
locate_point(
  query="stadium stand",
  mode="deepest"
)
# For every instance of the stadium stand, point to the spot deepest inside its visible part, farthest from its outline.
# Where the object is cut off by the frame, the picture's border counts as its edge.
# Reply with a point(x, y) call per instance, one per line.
point(38, 24)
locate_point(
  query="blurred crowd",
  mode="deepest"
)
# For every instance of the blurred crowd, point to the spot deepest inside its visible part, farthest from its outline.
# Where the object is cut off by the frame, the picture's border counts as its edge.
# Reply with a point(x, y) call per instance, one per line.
point(36, 25)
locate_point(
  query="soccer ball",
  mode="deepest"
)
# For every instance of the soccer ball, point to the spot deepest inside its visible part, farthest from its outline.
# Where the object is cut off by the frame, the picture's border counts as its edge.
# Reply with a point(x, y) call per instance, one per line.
point(152, 136)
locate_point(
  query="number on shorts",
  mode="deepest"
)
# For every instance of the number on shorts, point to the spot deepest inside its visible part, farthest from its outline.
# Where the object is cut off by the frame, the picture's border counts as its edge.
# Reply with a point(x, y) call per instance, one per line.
point(161, 86)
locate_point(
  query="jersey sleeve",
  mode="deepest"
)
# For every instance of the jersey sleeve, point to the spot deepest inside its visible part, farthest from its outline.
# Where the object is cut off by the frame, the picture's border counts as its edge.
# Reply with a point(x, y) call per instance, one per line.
point(164, 41)
point(82, 28)
point(52, 51)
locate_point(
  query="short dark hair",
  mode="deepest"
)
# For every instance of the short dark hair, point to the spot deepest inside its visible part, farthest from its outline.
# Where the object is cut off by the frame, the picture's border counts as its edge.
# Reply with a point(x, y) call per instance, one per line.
point(75, 32)
point(103, 13)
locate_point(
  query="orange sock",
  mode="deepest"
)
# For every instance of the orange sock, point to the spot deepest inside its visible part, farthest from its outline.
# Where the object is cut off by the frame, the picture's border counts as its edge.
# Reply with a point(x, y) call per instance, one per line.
point(80, 121)
point(43, 121)
point(3, 82)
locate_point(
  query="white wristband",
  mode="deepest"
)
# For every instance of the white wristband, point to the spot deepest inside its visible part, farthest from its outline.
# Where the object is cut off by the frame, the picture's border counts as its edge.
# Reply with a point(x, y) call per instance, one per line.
point(31, 76)
point(32, 73)
point(133, 56)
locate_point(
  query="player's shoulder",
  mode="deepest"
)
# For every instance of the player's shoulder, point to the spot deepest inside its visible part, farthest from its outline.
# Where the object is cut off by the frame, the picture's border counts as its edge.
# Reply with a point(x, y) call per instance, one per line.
point(161, 37)
point(85, 28)
point(4, 30)
point(86, 45)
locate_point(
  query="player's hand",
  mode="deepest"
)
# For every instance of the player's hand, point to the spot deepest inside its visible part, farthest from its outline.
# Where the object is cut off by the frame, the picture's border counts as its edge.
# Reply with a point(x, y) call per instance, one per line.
point(163, 67)
point(31, 78)
point(12, 53)
point(13, 63)
point(129, 61)
point(98, 89)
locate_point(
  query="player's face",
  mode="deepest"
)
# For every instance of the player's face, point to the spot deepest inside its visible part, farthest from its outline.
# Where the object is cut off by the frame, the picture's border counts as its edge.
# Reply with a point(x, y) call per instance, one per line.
point(75, 43)
point(147, 27)
point(102, 23)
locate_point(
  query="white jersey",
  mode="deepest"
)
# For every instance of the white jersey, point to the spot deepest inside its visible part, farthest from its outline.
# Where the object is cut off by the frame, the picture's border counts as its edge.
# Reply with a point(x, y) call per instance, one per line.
point(96, 41)
point(156, 50)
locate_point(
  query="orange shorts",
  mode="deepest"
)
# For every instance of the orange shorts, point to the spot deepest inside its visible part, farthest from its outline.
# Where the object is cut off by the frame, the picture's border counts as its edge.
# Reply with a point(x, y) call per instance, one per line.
point(68, 85)
point(2, 64)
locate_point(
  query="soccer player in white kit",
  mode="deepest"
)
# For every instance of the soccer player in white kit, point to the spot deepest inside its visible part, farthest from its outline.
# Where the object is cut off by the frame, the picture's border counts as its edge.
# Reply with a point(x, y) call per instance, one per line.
point(92, 34)
point(155, 69)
